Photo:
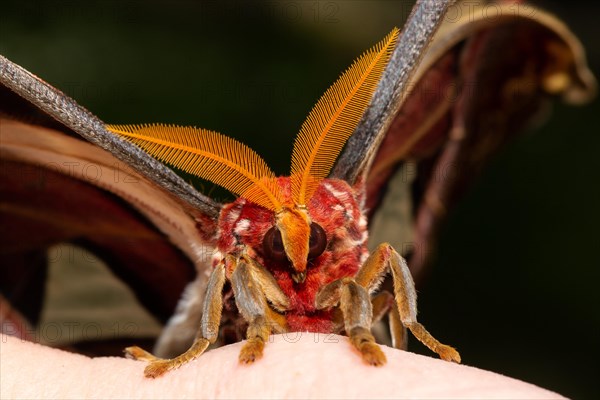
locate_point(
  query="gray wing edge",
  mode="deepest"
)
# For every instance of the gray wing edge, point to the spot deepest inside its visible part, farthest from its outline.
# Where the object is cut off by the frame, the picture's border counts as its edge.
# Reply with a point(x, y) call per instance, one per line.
point(66, 110)
point(357, 156)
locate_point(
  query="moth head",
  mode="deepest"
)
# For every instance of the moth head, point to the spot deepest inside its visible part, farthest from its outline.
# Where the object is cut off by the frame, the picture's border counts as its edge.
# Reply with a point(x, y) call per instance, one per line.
point(239, 169)
point(295, 238)
point(293, 224)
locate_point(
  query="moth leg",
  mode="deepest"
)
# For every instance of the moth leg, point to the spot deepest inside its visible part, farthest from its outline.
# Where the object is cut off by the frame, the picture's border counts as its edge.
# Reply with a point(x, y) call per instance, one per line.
point(269, 285)
point(405, 295)
point(137, 353)
point(370, 276)
point(384, 304)
point(397, 329)
point(182, 327)
point(404, 315)
point(277, 321)
point(251, 287)
point(209, 329)
point(357, 310)
point(406, 299)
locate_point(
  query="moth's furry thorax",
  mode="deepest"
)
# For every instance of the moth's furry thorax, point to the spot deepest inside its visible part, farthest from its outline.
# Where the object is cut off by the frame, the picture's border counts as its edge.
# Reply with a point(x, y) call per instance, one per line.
point(334, 206)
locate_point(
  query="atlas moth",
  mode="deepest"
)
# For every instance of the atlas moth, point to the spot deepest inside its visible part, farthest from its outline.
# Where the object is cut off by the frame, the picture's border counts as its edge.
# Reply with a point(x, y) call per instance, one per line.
point(175, 224)
point(293, 248)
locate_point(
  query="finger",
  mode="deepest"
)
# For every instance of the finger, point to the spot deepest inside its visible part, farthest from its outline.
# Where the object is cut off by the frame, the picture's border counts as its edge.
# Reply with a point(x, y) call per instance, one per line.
point(294, 366)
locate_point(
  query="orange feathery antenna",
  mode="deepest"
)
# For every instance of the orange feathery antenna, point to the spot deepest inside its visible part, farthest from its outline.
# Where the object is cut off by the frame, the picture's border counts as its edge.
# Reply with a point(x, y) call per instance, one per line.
point(334, 118)
point(234, 166)
point(208, 155)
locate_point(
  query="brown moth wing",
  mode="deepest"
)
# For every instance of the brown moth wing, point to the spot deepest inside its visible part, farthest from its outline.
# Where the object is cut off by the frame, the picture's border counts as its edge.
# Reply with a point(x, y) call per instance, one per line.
point(57, 187)
point(466, 100)
point(43, 207)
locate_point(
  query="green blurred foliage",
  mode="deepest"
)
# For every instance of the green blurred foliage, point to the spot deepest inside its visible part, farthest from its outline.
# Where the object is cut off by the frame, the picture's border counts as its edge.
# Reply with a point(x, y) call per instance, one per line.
point(516, 275)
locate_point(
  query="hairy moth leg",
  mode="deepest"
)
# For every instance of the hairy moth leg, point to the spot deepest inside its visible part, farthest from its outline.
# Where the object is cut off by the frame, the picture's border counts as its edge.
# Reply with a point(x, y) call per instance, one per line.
point(274, 296)
point(209, 329)
point(182, 327)
point(397, 329)
point(357, 311)
point(405, 294)
point(356, 306)
point(252, 286)
point(269, 286)
point(385, 304)
point(382, 304)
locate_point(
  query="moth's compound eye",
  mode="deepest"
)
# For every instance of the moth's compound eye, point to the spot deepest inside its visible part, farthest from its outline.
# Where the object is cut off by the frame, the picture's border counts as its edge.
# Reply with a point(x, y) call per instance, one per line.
point(273, 245)
point(317, 242)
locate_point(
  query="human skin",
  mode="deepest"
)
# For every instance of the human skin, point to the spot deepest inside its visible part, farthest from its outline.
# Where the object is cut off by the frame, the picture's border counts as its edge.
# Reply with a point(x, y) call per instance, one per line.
point(298, 365)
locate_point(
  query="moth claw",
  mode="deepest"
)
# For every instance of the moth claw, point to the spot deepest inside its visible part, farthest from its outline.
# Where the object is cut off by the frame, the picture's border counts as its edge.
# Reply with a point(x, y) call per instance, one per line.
point(448, 353)
point(158, 368)
point(137, 353)
point(252, 351)
point(371, 353)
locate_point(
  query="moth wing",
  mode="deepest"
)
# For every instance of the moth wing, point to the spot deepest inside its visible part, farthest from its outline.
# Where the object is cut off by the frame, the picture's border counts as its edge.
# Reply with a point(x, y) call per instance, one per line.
point(463, 102)
point(58, 185)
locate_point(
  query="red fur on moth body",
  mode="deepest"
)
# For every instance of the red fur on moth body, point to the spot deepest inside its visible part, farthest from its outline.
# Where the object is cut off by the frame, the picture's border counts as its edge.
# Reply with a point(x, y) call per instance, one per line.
point(336, 207)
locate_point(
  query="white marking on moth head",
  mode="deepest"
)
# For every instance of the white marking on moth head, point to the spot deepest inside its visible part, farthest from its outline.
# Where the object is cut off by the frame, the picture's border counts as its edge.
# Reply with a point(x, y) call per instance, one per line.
point(234, 213)
point(360, 241)
point(364, 256)
point(242, 226)
point(217, 257)
point(365, 237)
point(345, 203)
point(362, 222)
point(341, 195)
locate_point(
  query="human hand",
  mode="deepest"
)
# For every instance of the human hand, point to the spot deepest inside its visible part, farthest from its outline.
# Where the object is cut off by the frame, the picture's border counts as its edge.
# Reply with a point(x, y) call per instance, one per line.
point(302, 365)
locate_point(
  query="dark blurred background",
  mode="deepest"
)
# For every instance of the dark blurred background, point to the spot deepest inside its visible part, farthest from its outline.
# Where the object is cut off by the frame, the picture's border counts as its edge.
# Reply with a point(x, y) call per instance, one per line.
point(516, 277)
